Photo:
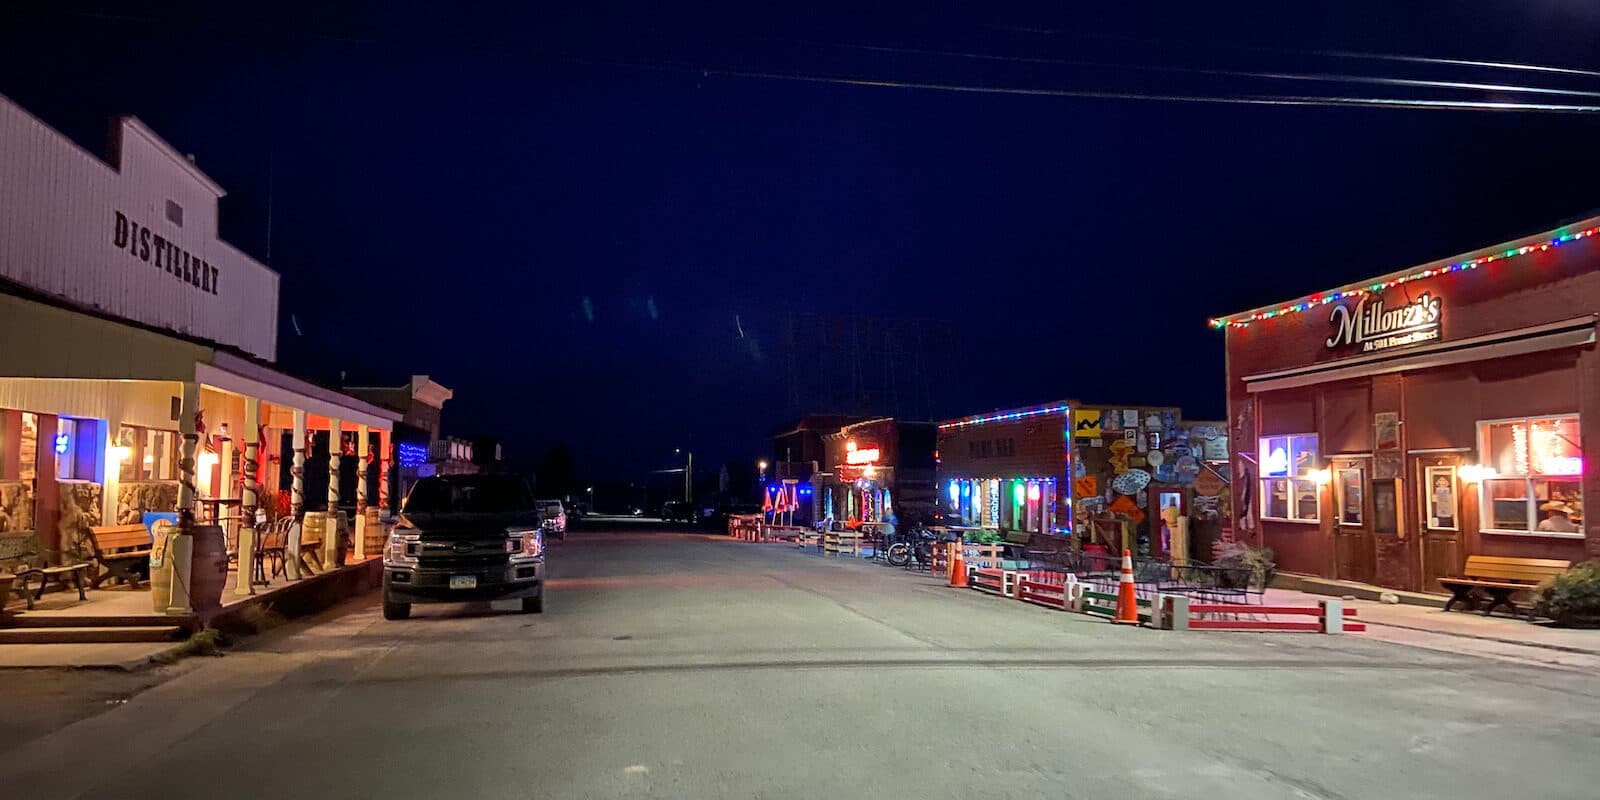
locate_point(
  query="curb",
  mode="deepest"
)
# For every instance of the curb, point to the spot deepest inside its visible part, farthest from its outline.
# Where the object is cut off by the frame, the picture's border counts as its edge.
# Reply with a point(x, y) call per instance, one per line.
point(1501, 640)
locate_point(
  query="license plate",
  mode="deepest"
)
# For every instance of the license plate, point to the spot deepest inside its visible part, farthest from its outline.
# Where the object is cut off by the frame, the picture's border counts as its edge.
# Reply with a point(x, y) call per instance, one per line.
point(463, 581)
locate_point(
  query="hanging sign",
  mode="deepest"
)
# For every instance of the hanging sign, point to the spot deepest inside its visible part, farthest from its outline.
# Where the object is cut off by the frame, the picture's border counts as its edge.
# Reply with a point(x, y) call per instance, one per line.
point(1372, 326)
point(1208, 484)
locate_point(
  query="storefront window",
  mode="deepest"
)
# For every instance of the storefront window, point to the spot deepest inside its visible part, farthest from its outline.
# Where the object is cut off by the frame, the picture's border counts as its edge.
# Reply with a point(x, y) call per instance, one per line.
point(28, 448)
point(66, 445)
point(151, 455)
point(1287, 490)
point(1537, 486)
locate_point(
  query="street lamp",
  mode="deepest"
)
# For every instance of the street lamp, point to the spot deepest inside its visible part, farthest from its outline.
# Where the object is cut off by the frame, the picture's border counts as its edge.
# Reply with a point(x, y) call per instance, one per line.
point(763, 467)
point(591, 500)
point(688, 476)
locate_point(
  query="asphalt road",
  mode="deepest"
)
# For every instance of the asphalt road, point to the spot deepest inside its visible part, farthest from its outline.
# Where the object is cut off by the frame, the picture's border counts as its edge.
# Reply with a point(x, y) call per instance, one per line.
point(692, 666)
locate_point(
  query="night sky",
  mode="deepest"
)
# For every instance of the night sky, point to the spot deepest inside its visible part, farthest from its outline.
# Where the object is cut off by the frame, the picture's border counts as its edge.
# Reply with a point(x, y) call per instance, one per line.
point(594, 230)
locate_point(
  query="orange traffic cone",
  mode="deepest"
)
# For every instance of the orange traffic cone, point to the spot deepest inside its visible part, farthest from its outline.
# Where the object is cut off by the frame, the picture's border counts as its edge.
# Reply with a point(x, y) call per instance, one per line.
point(1127, 600)
point(958, 566)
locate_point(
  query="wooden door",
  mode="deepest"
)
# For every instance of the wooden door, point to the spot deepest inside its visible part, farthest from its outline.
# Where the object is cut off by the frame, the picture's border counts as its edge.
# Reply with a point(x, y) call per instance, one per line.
point(1352, 519)
point(1439, 514)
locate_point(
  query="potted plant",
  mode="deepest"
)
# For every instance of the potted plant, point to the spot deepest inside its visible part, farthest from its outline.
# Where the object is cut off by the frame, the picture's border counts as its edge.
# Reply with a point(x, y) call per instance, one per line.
point(1572, 598)
point(1240, 556)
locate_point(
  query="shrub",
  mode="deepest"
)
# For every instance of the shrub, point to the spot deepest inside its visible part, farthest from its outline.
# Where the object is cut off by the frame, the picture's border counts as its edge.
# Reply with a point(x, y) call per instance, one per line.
point(1238, 555)
point(1573, 597)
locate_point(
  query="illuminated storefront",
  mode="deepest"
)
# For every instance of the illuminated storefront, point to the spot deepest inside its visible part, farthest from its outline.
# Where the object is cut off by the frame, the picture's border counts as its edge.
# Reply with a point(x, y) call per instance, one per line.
point(1009, 470)
point(1397, 425)
point(878, 470)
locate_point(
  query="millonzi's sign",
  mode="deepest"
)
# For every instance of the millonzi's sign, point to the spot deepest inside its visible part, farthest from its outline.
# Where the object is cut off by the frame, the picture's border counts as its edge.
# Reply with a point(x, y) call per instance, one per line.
point(1373, 326)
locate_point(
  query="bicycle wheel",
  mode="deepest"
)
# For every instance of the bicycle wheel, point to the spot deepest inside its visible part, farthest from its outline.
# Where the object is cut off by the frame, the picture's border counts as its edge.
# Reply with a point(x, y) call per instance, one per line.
point(899, 554)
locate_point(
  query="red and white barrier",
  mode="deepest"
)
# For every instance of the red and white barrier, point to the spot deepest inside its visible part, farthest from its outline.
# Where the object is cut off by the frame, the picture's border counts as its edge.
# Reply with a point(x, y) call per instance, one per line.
point(1049, 589)
point(1177, 613)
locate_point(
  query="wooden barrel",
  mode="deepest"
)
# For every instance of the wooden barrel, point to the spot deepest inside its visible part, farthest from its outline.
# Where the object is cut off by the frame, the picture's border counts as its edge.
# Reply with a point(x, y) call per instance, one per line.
point(209, 567)
point(374, 535)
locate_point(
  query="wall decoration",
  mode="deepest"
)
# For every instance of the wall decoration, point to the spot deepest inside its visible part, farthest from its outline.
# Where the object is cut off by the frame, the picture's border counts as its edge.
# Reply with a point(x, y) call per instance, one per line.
point(1141, 498)
point(1130, 419)
point(1086, 486)
point(1120, 451)
point(1188, 467)
point(1216, 449)
point(1131, 481)
point(1127, 507)
point(1387, 459)
point(1152, 421)
point(1110, 421)
point(1208, 484)
point(1206, 432)
point(1442, 499)
point(1155, 458)
point(1085, 423)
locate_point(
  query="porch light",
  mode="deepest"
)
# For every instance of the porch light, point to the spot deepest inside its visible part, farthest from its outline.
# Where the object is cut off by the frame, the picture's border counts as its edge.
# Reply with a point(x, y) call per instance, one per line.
point(1475, 473)
point(119, 452)
point(1322, 476)
point(208, 459)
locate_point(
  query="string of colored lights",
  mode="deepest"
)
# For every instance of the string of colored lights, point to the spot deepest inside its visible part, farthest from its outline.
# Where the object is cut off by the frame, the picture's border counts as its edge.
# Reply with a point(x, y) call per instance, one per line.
point(1315, 300)
point(1004, 416)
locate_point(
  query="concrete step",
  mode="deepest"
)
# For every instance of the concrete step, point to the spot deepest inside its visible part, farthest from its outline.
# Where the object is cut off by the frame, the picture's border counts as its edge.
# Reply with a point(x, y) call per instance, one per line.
point(143, 633)
point(1363, 591)
point(27, 620)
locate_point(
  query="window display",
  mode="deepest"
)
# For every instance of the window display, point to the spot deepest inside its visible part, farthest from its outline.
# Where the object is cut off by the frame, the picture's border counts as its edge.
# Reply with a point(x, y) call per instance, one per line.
point(1351, 510)
point(1537, 485)
point(1287, 491)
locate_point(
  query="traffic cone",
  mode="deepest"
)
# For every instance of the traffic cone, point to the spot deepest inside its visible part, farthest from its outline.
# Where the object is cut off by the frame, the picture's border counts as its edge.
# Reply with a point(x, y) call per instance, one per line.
point(1127, 600)
point(958, 566)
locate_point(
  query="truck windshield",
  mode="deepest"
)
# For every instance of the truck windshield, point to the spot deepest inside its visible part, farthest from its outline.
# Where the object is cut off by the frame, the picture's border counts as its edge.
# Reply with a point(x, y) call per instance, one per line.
point(469, 494)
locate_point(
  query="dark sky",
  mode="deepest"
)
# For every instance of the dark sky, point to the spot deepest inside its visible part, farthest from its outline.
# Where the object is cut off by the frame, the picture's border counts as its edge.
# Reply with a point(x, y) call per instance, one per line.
point(450, 187)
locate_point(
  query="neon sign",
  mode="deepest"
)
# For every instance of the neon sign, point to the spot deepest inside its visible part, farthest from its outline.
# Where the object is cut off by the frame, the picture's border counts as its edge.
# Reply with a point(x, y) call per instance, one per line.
point(862, 456)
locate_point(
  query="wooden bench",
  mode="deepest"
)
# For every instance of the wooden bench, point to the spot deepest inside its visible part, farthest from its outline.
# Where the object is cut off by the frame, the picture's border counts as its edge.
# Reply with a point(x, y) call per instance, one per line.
point(1501, 577)
point(22, 557)
point(123, 553)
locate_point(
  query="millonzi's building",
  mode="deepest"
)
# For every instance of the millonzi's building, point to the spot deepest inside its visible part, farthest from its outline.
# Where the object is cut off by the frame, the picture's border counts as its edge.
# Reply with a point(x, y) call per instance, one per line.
point(1386, 429)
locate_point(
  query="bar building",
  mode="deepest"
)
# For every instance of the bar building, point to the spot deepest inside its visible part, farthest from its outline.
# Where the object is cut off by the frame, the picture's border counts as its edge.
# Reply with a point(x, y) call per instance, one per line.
point(1387, 429)
point(137, 349)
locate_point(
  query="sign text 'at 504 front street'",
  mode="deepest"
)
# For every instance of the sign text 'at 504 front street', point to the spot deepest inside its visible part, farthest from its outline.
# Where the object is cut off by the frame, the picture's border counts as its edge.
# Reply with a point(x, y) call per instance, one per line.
point(1372, 326)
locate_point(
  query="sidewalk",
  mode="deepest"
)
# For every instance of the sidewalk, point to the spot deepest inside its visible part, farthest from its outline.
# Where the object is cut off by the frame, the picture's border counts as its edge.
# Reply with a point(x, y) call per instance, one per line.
point(1389, 621)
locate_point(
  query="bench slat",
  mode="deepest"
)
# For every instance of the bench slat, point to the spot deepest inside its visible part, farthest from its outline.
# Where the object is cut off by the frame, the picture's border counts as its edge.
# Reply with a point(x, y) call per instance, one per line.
point(1480, 569)
point(1523, 562)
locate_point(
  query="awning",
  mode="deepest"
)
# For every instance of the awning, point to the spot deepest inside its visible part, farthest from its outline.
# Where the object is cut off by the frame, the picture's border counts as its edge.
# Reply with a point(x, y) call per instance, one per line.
point(1574, 332)
point(233, 374)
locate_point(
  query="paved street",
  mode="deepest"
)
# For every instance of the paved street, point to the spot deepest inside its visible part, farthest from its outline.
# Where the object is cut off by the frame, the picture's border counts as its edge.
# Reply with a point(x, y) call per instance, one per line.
point(676, 665)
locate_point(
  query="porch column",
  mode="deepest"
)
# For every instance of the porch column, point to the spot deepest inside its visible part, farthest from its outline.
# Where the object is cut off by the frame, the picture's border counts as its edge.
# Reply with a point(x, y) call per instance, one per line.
point(249, 496)
point(385, 454)
point(297, 473)
point(362, 453)
point(363, 471)
point(191, 442)
point(330, 535)
point(180, 548)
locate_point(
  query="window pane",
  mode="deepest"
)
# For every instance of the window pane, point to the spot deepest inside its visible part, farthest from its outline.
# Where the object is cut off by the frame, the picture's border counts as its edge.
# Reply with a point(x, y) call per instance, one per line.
point(126, 469)
point(1276, 495)
point(1305, 495)
point(1350, 505)
point(1554, 447)
point(1275, 456)
point(1560, 505)
point(1304, 450)
point(66, 445)
point(1508, 447)
point(1508, 503)
point(28, 448)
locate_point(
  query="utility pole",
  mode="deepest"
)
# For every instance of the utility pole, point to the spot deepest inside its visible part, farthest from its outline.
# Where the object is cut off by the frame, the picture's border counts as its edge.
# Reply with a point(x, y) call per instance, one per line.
point(688, 480)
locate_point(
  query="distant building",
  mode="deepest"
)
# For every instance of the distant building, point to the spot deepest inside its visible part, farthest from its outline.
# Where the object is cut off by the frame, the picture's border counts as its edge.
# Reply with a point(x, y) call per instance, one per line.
point(417, 441)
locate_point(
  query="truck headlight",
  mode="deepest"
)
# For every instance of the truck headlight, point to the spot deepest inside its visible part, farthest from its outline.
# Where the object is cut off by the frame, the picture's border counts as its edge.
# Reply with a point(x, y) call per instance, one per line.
point(525, 542)
point(401, 548)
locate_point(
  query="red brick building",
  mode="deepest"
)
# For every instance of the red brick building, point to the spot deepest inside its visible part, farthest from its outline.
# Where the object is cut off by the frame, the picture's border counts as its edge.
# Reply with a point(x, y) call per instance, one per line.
point(1385, 430)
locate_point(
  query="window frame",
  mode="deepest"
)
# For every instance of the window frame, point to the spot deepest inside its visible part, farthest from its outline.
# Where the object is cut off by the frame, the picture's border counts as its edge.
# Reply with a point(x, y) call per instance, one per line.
point(1265, 481)
point(1340, 496)
point(1486, 507)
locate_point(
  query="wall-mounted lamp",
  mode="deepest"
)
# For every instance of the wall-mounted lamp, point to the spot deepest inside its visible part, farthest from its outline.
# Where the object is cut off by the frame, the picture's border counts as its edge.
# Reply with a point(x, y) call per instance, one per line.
point(119, 453)
point(1476, 473)
point(1323, 476)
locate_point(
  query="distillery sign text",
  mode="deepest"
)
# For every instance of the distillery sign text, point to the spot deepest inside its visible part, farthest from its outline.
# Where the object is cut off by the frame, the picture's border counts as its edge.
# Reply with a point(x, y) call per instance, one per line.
point(1373, 326)
point(155, 249)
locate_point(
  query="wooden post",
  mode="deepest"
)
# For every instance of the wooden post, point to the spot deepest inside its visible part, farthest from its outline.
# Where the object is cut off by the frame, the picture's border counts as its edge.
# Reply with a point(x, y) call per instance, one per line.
point(297, 487)
point(190, 442)
point(249, 496)
point(330, 534)
point(359, 527)
point(385, 454)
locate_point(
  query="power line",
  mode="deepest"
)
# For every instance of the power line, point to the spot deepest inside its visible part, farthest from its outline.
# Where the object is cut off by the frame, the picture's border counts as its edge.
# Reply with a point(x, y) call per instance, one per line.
point(1259, 100)
point(1292, 76)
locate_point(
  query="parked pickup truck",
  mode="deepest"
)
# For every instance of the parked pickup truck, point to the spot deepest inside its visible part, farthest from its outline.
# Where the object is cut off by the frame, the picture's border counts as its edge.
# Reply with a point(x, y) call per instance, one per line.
point(463, 538)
